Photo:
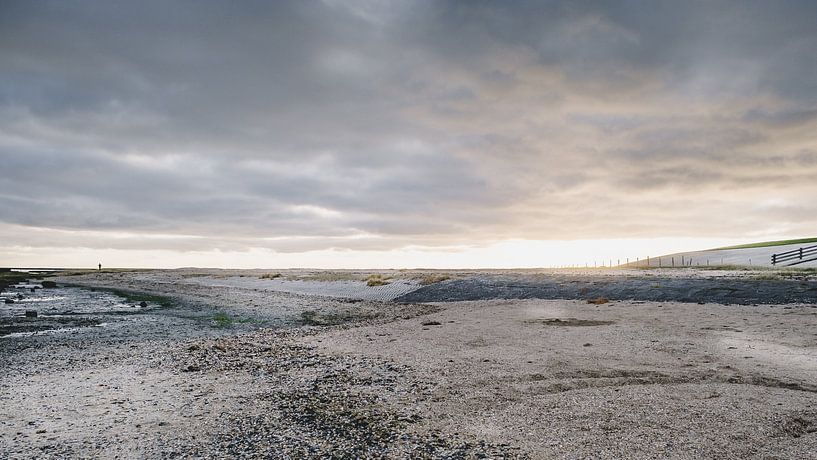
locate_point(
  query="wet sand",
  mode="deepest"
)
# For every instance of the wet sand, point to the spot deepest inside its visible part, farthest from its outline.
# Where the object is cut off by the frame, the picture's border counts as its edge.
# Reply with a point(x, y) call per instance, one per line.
point(248, 371)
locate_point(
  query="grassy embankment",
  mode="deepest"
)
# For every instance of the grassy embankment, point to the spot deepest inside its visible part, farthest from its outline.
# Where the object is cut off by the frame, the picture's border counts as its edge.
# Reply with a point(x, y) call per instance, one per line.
point(766, 244)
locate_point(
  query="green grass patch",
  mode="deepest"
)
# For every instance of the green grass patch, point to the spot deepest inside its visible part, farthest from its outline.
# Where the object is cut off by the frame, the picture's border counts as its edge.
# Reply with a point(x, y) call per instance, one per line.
point(269, 276)
point(766, 244)
point(222, 319)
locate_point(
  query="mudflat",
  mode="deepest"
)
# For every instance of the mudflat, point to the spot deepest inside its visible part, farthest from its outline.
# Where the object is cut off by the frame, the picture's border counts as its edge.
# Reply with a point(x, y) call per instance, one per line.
point(476, 364)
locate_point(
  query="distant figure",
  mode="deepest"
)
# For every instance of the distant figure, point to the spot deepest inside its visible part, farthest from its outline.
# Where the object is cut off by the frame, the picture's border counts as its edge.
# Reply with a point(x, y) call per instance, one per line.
point(100, 267)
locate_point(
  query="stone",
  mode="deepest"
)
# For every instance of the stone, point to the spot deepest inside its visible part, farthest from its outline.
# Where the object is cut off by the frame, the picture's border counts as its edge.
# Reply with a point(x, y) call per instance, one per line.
point(143, 304)
point(9, 301)
point(31, 313)
point(49, 284)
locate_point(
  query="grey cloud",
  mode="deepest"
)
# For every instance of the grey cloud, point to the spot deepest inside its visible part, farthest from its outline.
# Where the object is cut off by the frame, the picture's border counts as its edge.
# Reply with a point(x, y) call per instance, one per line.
point(420, 123)
point(785, 118)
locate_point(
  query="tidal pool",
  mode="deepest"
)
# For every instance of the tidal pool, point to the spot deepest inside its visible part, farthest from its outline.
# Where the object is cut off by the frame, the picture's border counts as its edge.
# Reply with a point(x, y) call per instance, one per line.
point(58, 309)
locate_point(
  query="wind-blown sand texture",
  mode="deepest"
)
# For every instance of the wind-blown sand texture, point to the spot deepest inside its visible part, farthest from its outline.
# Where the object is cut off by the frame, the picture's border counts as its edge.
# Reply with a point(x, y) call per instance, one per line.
point(245, 371)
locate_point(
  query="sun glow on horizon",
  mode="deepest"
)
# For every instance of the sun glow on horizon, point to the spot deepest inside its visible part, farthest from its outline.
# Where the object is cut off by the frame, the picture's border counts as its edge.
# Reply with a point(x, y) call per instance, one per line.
point(514, 253)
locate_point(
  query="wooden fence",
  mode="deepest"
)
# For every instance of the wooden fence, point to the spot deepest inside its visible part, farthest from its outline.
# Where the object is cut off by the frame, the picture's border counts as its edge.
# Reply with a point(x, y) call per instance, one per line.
point(795, 256)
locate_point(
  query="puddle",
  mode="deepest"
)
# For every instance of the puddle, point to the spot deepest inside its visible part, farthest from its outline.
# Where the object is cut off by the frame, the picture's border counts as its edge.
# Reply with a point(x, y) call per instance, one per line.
point(58, 309)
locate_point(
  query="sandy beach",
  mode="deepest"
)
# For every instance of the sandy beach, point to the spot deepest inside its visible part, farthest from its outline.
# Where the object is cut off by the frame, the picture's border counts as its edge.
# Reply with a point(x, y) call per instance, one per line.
point(436, 230)
point(463, 364)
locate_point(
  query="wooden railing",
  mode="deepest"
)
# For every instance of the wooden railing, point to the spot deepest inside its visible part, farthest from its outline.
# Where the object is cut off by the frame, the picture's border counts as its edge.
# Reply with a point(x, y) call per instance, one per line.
point(795, 256)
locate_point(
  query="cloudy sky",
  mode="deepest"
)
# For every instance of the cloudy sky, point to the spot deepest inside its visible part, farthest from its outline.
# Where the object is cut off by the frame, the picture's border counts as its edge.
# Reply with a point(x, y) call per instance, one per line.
point(401, 133)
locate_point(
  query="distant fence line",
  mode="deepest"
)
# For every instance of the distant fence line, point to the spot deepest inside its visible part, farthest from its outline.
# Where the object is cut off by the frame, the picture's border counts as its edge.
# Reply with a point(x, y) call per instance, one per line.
point(668, 262)
point(785, 259)
point(657, 262)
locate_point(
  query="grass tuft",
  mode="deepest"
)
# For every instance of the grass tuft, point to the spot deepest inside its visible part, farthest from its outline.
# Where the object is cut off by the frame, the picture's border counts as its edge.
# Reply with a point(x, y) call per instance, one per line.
point(327, 276)
point(433, 279)
point(221, 319)
point(377, 280)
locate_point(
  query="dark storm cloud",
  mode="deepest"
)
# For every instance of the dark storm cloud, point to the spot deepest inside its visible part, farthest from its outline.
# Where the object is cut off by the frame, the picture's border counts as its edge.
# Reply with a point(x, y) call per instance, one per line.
point(380, 124)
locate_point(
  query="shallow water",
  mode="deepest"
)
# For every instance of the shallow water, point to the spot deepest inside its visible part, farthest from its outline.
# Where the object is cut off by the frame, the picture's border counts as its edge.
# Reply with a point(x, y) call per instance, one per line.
point(61, 301)
point(60, 309)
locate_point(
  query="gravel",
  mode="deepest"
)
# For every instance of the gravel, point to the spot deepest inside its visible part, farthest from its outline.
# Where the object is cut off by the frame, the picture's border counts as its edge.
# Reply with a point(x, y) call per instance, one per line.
point(647, 288)
point(251, 372)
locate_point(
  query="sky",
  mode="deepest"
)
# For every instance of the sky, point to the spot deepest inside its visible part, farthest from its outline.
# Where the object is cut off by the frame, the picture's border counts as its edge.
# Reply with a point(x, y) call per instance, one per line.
point(368, 133)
